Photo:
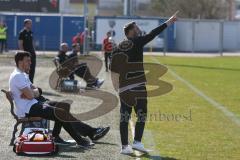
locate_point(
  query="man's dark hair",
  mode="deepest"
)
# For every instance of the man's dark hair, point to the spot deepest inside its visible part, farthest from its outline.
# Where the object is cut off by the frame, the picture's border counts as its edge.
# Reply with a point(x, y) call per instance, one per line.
point(128, 27)
point(19, 56)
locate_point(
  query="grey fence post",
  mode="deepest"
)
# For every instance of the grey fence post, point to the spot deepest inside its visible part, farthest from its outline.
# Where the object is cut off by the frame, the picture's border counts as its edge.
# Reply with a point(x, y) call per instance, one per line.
point(61, 29)
point(221, 30)
point(193, 35)
point(165, 42)
point(15, 26)
point(85, 9)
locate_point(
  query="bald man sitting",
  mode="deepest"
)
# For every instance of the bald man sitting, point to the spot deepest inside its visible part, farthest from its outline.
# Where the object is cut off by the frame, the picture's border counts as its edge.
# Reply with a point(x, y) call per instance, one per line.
point(82, 72)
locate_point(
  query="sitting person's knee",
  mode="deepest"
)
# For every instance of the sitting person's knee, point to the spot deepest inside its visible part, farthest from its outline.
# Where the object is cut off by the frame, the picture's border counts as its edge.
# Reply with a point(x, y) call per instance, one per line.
point(63, 105)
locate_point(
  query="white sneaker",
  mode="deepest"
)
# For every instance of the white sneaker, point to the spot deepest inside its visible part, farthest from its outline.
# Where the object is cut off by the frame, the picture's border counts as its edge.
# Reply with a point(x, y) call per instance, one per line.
point(139, 147)
point(126, 150)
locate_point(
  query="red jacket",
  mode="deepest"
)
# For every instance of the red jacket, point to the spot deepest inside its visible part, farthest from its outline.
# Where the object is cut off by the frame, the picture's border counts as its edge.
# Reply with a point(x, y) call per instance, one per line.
point(76, 39)
point(107, 45)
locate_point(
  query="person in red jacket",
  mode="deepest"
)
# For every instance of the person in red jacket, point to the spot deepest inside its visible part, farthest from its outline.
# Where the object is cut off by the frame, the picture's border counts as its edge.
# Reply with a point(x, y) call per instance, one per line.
point(76, 39)
point(107, 49)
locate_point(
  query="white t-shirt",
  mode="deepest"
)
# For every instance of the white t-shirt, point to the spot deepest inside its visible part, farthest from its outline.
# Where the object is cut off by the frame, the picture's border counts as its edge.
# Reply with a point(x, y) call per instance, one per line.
point(17, 81)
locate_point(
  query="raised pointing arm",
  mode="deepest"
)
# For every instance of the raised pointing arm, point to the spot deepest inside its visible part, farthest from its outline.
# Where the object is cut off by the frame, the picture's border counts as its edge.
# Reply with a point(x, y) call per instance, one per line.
point(143, 40)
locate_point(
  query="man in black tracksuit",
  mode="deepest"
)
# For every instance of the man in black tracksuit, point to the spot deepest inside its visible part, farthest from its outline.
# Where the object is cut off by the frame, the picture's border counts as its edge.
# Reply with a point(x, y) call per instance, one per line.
point(25, 43)
point(127, 61)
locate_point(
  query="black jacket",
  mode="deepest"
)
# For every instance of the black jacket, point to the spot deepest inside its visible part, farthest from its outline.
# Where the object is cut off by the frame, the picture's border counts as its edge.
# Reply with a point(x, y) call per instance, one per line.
point(127, 59)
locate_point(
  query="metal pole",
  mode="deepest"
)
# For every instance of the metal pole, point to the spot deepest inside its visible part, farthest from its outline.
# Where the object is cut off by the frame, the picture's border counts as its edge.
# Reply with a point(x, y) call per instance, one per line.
point(165, 42)
point(127, 8)
point(15, 25)
point(85, 27)
point(193, 35)
point(61, 29)
point(221, 30)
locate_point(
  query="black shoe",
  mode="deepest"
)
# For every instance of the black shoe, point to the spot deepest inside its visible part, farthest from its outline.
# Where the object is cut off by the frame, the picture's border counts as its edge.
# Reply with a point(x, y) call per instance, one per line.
point(91, 86)
point(85, 143)
point(100, 133)
point(97, 84)
point(60, 141)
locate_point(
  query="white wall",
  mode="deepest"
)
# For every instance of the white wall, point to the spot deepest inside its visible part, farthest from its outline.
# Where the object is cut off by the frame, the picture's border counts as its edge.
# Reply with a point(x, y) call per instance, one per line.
point(205, 36)
point(102, 27)
point(191, 35)
point(231, 36)
point(184, 36)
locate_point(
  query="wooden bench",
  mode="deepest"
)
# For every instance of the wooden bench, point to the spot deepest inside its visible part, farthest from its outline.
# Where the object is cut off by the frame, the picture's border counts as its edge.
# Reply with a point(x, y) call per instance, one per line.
point(18, 120)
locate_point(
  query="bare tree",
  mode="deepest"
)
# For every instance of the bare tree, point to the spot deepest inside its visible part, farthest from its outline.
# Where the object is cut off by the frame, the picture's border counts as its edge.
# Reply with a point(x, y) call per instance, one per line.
point(204, 9)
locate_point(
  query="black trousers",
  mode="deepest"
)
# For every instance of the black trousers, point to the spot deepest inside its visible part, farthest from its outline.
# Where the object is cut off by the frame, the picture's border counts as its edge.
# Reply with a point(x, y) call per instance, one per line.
point(84, 72)
point(64, 119)
point(107, 56)
point(3, 45)
point(81, 49)
point(141, 112)
point(33, 66)
point(58, 126)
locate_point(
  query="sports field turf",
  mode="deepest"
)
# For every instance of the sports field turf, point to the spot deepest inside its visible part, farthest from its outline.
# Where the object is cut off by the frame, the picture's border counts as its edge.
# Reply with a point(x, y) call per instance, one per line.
point(198, 120)
point(206, 92)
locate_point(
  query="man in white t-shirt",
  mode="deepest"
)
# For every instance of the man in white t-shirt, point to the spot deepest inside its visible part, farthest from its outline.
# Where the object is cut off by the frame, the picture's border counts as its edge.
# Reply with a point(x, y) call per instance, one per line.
point(24, 95)
point(18, 82)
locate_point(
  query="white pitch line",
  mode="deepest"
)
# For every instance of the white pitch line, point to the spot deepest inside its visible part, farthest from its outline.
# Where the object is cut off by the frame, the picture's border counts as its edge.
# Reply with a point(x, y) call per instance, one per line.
point(151, 143)
point(214, 103)
point(133, 134)
point(149, 136)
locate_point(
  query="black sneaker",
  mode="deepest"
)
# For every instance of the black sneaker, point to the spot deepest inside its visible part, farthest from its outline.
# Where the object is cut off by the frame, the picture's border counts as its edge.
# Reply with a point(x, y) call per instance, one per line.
point(100, 133)
point(97, 84)
point(60, 141)
point(91, 86)
point(85, 143)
